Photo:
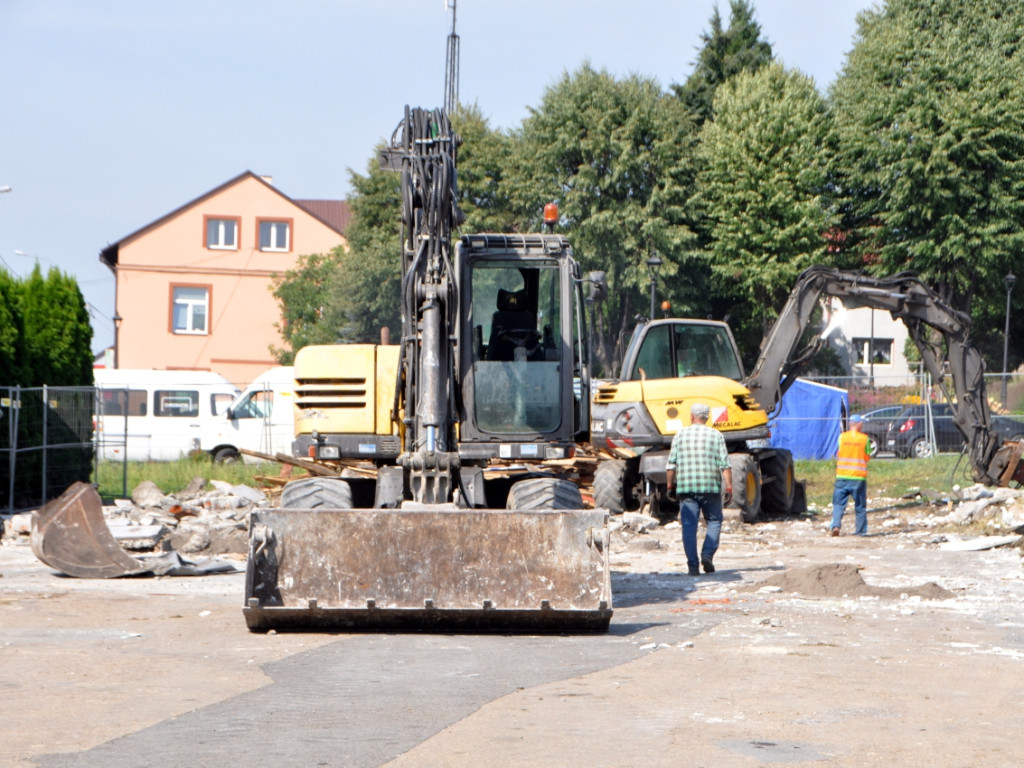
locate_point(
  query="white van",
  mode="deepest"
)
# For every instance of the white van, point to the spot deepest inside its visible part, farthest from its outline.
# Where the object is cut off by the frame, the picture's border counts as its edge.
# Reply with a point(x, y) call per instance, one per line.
point(261, 418)
point(151, 415)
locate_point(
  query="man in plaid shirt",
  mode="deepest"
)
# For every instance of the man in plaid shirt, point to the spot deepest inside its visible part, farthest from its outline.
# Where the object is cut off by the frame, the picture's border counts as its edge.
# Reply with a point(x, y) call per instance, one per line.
point(698, 466)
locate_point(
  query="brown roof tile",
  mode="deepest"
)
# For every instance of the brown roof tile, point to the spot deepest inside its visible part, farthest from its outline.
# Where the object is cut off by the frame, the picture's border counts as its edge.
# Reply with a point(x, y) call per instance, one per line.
point(335, 213)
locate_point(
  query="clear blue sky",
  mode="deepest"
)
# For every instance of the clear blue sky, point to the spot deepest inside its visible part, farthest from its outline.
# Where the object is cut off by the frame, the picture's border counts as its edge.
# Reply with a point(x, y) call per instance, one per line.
point(115, 112)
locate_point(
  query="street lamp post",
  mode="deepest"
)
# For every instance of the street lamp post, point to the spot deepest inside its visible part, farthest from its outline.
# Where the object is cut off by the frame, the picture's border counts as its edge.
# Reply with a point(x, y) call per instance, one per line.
point(1009, 280)
point(117, 328)
point(653, 265)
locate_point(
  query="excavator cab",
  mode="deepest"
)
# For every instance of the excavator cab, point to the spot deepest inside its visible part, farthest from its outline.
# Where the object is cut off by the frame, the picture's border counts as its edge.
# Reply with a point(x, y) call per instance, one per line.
point(519, 387)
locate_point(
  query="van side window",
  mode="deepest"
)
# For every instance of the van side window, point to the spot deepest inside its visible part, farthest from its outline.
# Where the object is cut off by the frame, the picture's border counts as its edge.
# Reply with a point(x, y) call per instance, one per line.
point(219, 402)
point(176, 402)
point(114, 402)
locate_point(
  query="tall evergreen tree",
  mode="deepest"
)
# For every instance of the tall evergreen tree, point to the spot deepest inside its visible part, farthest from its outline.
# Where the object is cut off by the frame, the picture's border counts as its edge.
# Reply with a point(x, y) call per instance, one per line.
point(725, 53)
point(58, 334)
point(12, 331)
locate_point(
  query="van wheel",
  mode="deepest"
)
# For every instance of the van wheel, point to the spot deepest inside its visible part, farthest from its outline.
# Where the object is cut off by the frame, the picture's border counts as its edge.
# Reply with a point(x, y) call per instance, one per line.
point(317, 493)
point(225, 456)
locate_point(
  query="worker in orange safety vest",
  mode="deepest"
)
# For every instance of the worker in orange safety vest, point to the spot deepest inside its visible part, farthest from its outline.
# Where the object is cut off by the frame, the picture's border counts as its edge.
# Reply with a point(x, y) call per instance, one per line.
point(851, 478)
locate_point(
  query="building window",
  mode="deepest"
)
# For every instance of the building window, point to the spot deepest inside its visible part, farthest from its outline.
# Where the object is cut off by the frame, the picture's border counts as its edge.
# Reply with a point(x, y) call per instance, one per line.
point(190, 309)
point(873, 351)
point(221, 234)
point(274, 235)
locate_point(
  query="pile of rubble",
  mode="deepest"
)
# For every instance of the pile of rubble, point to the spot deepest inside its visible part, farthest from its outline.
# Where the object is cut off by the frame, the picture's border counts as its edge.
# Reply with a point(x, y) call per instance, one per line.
point(193, 521)
point(215, 522)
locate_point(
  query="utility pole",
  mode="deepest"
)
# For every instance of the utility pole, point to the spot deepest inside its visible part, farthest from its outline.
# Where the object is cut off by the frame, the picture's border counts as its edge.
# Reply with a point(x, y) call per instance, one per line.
point(451, 74)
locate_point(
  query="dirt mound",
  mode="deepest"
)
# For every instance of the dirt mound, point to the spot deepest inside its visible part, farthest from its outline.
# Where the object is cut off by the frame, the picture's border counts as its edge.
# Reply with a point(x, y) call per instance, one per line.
point(844, 580)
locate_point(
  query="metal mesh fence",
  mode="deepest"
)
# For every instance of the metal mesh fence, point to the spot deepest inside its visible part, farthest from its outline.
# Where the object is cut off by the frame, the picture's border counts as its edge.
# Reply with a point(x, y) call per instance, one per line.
point(46, 443)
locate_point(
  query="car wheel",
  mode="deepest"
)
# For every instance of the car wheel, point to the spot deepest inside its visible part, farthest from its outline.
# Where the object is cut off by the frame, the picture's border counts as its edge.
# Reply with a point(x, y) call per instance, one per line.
point(921, 449)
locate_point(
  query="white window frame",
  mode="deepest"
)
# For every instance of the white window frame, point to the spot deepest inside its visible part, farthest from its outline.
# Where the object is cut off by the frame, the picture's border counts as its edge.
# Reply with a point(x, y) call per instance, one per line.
point(864, 349)
point(222, 224)
point(276, 226)
point(191, 305)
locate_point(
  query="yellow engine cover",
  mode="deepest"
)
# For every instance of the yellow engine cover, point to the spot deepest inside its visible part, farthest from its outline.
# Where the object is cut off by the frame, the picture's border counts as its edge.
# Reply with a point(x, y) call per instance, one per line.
point(345, 389)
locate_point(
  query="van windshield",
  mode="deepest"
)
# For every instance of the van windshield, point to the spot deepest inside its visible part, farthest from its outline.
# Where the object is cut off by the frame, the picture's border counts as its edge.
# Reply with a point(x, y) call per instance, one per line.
point(254, 405)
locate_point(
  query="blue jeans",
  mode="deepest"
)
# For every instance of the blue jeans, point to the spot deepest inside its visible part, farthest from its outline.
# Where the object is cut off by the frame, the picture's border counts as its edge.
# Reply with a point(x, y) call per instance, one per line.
point(851, 489)
point(690, 507)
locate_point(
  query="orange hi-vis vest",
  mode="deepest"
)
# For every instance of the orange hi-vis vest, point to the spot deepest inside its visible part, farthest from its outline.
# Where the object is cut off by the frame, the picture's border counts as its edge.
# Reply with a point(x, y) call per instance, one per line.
point(852, 461)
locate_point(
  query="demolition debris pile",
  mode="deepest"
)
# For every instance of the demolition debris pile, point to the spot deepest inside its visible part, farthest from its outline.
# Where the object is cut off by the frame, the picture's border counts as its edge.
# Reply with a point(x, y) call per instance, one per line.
point(192, 522)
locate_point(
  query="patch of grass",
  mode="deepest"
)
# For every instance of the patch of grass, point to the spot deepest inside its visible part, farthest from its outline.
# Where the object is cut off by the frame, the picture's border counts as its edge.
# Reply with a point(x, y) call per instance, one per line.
point(172, 476)
point(889, 477)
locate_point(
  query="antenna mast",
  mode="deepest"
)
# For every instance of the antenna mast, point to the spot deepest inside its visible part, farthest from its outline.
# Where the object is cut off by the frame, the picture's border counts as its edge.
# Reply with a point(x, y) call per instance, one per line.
point(451, 74)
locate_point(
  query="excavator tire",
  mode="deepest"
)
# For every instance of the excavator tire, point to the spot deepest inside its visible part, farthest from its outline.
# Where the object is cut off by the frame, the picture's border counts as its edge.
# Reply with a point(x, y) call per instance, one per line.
point(614, 487)
point(778, 483)
point(746, 486)
point(544, 493)
point(317, 493)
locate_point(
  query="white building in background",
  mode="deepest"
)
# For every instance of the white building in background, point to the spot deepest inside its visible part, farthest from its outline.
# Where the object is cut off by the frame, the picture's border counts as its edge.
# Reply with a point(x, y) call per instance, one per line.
point(870, 344)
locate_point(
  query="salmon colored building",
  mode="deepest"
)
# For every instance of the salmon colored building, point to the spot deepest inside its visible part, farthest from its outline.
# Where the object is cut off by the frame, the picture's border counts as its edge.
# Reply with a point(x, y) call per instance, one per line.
point(193, 288)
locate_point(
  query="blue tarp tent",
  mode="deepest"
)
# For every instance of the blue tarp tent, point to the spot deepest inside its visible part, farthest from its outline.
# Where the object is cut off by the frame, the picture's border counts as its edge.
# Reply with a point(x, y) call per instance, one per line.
point(810, 420)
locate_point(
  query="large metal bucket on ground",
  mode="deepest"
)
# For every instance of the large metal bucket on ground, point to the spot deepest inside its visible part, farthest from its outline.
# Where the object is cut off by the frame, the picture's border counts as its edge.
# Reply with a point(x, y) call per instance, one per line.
point(70, 535)
point(428, 568)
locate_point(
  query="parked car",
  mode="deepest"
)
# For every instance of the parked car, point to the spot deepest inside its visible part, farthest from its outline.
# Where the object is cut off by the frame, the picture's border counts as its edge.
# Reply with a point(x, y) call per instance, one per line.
point(907, 436)
point(875, 425)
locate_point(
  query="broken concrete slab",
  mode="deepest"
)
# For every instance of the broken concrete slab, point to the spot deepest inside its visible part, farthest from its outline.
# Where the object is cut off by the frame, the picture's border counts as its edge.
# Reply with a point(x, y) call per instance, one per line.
point(980, 543)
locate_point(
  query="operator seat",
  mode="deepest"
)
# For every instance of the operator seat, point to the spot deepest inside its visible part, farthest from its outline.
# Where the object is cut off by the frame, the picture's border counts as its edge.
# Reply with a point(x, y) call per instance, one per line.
point(511, 315)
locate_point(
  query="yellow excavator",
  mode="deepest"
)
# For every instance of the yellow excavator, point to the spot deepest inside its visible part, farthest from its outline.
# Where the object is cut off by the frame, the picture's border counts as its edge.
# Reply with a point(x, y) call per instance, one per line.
point(458, 525)
point(670, 364)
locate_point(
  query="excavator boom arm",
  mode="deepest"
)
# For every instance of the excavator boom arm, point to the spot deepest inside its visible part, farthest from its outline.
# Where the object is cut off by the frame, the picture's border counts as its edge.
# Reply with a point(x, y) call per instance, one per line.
point(927, 318)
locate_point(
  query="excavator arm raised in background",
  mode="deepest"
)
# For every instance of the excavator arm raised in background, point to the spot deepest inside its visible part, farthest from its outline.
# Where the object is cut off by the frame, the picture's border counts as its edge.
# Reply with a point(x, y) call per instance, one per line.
point(928, 319)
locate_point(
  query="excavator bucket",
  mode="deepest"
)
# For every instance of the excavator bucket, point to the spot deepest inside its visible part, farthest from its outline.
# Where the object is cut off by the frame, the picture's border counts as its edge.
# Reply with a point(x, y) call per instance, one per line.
point(70, 535)
point(428, 568)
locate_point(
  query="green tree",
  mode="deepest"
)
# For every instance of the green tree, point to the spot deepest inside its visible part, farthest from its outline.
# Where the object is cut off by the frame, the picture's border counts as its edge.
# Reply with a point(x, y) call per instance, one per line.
point(12, 331)
point(486, 157)
point(304, 294)
point(58, 335)
point(930, 115)
point(761, 190)
point(725, 53)
point(351, 294)
point(616, 157)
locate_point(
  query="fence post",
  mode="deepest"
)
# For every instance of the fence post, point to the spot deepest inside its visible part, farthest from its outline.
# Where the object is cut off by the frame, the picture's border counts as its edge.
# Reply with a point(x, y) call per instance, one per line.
point(45, 405)
point(12, 456)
